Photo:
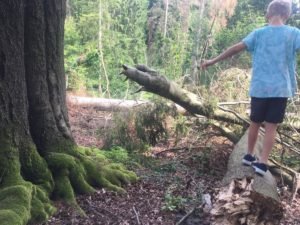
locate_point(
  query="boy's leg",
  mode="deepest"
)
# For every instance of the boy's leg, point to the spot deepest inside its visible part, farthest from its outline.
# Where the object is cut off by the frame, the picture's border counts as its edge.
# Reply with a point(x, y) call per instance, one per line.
point(252, 136)
point(249, 158)
point(268, 143)
point(274, 116)
point(257, 116)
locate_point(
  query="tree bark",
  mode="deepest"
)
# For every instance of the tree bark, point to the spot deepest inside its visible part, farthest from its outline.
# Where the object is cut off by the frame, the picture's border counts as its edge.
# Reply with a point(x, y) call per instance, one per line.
point(45, 78)
point(39, 157)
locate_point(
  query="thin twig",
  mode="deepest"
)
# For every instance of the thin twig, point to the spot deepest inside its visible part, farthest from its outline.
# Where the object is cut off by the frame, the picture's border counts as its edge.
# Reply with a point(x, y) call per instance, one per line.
point(234, 113)
point(295, 174)
point(186, 216)
point(234, 103)
point(288, 136)
point(283, 143)
point(136, 215)
point(290, 147)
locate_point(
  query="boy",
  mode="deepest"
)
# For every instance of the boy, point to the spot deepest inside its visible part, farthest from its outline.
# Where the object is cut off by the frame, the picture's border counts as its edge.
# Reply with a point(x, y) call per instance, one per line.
point(273, 50)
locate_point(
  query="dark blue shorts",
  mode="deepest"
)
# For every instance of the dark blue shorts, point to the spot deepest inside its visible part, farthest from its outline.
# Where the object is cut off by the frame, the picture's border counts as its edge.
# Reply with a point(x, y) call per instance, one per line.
point(269, 110)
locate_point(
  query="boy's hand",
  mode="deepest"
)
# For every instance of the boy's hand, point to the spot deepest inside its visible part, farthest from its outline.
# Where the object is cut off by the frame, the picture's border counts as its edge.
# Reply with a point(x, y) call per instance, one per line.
point(206, 63)
point(233, 50)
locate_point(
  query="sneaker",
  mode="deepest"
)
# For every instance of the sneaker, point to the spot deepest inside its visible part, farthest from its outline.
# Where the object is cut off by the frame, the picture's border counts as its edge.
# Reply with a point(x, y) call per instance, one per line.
point(248, 160)
point(260, 168)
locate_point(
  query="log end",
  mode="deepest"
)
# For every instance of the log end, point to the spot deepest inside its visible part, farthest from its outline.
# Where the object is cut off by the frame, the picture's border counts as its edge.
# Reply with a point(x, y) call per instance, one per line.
point(246, 198)
point(240, 203)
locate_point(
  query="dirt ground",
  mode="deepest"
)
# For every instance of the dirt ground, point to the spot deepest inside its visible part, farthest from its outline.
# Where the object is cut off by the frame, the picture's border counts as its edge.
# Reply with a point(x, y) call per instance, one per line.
point(167, 191)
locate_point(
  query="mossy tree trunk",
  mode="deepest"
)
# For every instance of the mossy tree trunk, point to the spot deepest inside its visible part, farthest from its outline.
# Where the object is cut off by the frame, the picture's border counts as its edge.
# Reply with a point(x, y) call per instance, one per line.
point(38, 156)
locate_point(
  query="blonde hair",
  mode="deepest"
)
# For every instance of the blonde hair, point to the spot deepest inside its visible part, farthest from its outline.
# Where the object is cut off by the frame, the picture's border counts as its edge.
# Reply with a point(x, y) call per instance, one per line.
point(282, 8)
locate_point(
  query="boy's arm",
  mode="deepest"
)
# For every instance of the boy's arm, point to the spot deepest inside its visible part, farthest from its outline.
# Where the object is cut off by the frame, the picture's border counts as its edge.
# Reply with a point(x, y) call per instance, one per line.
point(226, 54)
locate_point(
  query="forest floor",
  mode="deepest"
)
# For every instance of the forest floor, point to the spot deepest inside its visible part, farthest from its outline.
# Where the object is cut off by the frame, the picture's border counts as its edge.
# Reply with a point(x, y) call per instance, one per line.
point(173, 180)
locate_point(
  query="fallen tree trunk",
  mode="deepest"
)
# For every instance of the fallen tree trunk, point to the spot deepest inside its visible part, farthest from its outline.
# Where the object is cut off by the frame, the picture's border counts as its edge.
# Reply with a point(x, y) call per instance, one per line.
point(104, 104)
point(246, 198)
point(113, 105)
point(152, 82)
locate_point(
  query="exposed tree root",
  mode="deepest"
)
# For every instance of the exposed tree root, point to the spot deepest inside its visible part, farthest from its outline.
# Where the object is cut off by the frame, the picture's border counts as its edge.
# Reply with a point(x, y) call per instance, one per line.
point(80, 173)
point(25, 198)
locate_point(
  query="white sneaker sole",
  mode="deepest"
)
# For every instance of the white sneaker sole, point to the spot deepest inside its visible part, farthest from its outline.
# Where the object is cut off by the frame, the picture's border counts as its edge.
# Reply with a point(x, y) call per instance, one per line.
point(246, 162)
point(259, 171)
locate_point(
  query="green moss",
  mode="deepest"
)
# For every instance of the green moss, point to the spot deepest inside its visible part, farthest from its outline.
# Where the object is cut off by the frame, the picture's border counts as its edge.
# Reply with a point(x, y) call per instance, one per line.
point(22, 201)
point(84, 150)
point(35, 168)
point(60, 145)
point(60, 161)
point(118, 175)
point(78, 180)
point(91, 171)
point(70, 174)
point(101, 173)
point(93, 153)
point(41, 207)
point(15, 200)
point(63, 189)
point(15, 193)
point(9, 217)
point(9, 166)
point(96, 178)
point(38, 213)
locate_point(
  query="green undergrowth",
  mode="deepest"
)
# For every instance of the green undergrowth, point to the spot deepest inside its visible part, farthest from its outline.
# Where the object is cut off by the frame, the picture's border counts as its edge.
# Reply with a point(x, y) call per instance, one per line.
point(140, 128)
point(172, 171)
point(286, 158)
point(172, 202)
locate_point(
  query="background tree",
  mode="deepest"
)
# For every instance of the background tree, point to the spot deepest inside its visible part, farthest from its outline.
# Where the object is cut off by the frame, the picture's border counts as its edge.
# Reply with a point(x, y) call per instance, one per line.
point(107, 37)
point(38, 155)
point(171, 36)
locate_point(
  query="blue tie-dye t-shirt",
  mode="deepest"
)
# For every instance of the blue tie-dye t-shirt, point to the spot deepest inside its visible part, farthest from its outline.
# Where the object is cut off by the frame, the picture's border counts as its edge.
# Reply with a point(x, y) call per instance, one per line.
point(273, 50)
